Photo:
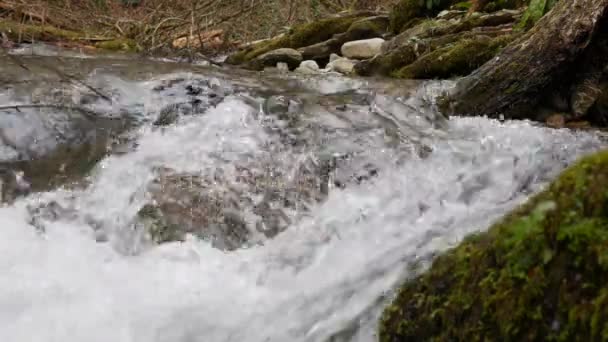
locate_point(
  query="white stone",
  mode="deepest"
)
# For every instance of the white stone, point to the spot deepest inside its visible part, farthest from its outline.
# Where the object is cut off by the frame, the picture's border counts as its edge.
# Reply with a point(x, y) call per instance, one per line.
point(362, 49)
point(333, 57)
point(342, 65)
point(308, 67)
point(282, 67)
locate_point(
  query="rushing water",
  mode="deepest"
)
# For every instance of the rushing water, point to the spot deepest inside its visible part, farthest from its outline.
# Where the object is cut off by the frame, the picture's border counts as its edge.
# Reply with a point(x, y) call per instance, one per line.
point(326, 276)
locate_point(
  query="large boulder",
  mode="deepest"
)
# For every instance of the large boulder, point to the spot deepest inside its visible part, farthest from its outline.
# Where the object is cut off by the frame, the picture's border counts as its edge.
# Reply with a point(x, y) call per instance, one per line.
point(291, 57)
point(362, 49)
point(540, 274)
point(300, 36)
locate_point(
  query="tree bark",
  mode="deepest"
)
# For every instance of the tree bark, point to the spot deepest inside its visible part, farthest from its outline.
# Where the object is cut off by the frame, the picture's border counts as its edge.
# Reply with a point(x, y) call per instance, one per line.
point(510, 84)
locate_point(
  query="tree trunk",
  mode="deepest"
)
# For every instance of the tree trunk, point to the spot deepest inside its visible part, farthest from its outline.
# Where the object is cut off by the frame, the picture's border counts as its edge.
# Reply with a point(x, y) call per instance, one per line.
point(510, 84)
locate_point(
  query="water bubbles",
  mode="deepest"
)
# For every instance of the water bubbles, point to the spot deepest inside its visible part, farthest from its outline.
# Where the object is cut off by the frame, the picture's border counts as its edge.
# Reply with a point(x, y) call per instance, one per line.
point(87, 275)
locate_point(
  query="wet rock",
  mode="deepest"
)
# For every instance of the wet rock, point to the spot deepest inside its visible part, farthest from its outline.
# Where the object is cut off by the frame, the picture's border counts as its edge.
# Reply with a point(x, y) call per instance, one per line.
point(308, 67)
point(585, 94)
point(362, 49)
point(168, 115)
point(599, 112)
point(229, 211)
point(277, 105)
point(342, 65)
point(188, 204)
point(51, 145)
point(12, 185)
point(556, 121)
point(291, 57)
point(201, 94)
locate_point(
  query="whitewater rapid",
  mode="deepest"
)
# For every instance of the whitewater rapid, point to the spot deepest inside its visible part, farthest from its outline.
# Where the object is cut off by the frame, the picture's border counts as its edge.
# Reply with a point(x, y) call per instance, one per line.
point(323, 279)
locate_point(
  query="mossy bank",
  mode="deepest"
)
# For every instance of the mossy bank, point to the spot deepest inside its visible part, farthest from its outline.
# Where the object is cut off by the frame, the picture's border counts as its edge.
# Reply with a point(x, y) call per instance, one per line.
point(19, 32)
point(539, 274)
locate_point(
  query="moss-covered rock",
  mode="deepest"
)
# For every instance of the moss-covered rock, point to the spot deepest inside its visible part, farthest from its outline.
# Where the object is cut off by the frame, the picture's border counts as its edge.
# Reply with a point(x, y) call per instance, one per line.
point(27, 33)
point(405, 12)
point(371, 27)
point(30, 33)
point(459, 59)
point(300, 36)
point(540, 274)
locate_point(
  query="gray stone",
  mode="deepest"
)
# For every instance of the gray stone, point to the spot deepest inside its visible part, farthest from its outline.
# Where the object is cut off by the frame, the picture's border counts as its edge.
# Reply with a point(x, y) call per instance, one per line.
point(342, 65)
point(362, 49)
point(451, 14)
point(48, 145)
point(291, 57)
point(308, 67)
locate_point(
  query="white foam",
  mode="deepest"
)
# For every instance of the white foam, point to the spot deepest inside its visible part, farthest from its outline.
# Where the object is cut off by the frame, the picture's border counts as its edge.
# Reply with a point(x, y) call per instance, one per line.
point(321, 276)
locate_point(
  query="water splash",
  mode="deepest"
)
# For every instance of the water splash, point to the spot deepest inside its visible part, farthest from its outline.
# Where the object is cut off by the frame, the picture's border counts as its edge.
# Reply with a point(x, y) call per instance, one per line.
point(323, 279)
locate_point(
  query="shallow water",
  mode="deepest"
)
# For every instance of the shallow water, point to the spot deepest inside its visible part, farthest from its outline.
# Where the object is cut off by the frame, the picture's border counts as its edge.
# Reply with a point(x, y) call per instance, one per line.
point(327, 275)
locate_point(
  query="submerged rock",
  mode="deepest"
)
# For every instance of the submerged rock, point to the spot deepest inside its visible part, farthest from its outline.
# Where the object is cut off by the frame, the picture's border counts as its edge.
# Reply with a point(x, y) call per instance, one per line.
point(46, 146)
point(362, 49)
point(231, 212)
point(189, 204)
point(539, 274)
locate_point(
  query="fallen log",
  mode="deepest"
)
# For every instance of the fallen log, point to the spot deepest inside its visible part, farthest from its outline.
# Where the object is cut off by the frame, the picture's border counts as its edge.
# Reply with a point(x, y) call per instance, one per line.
point(510, 84)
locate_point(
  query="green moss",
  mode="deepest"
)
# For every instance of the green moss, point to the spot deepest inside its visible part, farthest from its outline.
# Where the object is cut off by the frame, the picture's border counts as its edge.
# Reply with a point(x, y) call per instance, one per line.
point(404, 12)
point(121, 44)
point(458, 59)
point(300, 36)
point(462, 6)
point(384, 64)
point(539, 274)
point(366, 28)
point(25, 32)
point(536, 10)
point(497, 5)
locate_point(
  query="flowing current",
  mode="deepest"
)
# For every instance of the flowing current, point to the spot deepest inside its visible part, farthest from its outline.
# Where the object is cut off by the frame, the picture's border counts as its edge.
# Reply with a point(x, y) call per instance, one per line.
point(86, 274)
